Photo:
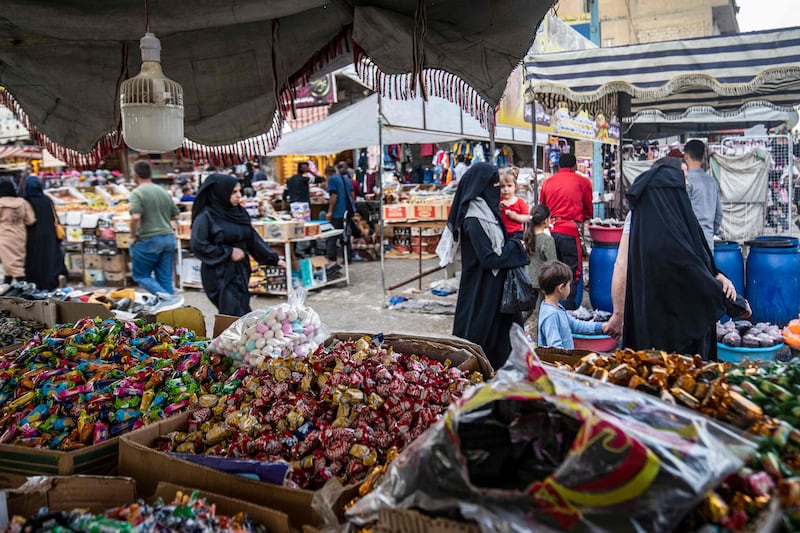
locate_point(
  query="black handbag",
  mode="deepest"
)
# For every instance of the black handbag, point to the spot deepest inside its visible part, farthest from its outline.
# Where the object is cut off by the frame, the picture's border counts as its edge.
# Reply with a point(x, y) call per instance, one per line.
point(518, 292)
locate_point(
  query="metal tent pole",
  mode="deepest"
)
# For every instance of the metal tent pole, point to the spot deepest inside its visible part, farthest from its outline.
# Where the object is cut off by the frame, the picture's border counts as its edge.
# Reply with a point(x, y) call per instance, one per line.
point(491, 137)
point(535, 154)
point(380, 200)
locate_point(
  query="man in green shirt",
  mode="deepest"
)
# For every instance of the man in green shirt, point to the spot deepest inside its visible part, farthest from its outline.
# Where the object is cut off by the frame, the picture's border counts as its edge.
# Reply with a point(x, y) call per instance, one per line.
point(152, 238)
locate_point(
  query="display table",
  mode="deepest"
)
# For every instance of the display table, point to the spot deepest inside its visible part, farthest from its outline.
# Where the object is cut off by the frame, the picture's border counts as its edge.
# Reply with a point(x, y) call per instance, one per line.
point(420, 226)
point(287, 243)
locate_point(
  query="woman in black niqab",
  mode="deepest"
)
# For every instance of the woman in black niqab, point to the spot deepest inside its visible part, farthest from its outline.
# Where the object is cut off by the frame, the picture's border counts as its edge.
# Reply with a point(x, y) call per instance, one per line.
point(220, 232)
point(475, 225)
point(672, 296)
point(44, 260)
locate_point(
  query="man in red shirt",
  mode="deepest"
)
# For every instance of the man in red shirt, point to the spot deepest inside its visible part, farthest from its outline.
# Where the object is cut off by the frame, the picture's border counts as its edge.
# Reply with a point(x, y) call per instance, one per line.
point(568, 195)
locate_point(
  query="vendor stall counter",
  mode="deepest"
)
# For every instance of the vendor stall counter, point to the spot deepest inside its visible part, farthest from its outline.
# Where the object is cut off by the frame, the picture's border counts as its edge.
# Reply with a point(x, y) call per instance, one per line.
point(288, 242)
point(194, 282)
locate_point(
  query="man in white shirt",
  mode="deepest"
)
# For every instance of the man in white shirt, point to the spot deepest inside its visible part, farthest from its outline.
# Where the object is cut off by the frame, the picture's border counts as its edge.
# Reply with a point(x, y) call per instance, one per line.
point(461, 167)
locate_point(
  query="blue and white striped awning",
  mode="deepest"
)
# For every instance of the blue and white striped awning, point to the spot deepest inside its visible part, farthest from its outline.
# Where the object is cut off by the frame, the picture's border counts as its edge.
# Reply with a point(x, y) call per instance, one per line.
point(724, 73)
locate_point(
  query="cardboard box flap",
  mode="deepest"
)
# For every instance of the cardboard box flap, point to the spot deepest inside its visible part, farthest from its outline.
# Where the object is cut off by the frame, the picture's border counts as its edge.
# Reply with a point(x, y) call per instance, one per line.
point(221, 323)
point(38, 310)
point(149, 467)
point(560, 355)
point(462, 353)
point(409, 521)
point(275, 521)
point(188, 317)
point(71, 312)
point(97, 493)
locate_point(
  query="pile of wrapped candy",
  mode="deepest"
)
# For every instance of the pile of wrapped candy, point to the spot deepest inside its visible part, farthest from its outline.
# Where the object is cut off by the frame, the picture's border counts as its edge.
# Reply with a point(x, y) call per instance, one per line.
point(185, 514)
point(81, 384)
point(760, 399)
point(341, 411)
point(14, 330)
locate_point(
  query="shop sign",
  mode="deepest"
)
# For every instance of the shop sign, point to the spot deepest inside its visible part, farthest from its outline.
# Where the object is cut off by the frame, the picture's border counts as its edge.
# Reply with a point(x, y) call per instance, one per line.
point(321, 91)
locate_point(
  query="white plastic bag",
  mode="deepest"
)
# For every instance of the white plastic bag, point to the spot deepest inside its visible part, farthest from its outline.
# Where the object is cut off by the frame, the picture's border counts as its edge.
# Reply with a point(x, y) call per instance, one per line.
point(282, 330)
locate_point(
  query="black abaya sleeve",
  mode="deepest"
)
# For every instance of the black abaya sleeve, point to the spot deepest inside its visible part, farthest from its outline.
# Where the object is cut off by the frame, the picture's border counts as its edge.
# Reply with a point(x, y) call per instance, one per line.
point(513, 255)
point(202, 244)
point(260, 251)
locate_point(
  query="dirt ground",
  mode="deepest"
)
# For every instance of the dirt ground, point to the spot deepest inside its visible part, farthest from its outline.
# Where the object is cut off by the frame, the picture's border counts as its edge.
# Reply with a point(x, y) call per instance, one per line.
point(359, 306)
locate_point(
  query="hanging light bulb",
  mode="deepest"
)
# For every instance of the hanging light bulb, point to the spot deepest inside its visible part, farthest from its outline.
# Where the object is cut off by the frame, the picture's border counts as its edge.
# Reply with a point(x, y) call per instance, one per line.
point(151, 104)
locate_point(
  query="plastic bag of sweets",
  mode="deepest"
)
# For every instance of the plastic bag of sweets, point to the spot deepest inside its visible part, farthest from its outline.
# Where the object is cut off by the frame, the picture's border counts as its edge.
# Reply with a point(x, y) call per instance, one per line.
point(288, 329)
point(595, 458)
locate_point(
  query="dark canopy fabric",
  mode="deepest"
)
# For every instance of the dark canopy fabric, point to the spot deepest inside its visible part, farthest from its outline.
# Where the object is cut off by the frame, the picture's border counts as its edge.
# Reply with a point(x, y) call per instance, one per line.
point(726, 74)
point(61, 62)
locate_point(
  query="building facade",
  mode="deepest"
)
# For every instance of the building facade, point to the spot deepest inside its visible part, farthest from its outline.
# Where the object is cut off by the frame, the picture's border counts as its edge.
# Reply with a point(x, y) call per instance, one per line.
point(624, 22)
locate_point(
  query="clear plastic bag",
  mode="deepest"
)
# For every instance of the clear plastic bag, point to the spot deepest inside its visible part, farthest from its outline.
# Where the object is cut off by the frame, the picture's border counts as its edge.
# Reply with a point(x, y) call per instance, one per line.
point(282, 330)
point(560, 452)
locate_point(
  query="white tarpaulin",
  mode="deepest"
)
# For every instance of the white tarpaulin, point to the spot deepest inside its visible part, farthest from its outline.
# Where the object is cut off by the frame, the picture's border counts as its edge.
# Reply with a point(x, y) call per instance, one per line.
point(404, 121)
point(743, 189)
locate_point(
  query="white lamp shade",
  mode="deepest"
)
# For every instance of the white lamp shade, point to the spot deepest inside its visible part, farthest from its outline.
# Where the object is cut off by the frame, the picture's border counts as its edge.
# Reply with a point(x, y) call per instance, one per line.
point(152, 128)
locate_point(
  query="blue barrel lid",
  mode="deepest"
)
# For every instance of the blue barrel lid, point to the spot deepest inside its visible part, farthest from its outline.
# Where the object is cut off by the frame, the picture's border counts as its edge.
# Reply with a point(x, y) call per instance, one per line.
point(794, 240)
point(771, 243)
point(726, 245)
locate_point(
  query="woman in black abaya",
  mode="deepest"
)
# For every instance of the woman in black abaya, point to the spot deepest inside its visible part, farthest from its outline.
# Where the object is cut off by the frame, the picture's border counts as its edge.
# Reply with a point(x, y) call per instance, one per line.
point(674, 293)
point(475, 224)
point(222, 238)
point(44, 260)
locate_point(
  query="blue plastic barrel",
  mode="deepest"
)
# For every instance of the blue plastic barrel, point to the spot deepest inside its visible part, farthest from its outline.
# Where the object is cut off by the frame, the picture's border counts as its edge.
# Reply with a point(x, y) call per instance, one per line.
point(773, 280)
point(601, 268)
point(579, 291)
point(729, 260)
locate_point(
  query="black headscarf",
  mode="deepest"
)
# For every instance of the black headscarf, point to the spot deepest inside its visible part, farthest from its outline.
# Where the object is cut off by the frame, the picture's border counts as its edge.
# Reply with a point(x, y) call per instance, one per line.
point(33, 188)
point(7, 189)
point(215, 194)
point(672, 298)
point(478, 182)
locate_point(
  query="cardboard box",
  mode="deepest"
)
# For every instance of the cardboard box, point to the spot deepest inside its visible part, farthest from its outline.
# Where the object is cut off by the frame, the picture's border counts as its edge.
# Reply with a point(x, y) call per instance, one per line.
point(311, 229)
point(424, 212)
point(312, 271)
point(74, 234)
point(184, 317)
point(123, 240)
point(113, 263)
point(190, 271)
point(275, 521)
point(99, 459)
point(96, 493)
point(115, 277)
point(94, 277)
point(280, 229)
point(71, 312)
point(463, 354)
point(410, 521)
point(149, 467)
point(36, 310)
point(185, 228)
point(74, 262)
point(93, 262)
point(559, 355)
point(396, 212)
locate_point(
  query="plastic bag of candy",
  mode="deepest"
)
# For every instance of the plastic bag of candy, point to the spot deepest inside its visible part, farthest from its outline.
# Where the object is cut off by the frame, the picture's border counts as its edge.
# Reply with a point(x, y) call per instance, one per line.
point(559, 453)
point(284, 330)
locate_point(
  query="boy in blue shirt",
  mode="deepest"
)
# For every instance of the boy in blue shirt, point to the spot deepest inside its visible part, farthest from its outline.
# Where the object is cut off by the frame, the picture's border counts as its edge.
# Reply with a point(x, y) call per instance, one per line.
point(555, 325)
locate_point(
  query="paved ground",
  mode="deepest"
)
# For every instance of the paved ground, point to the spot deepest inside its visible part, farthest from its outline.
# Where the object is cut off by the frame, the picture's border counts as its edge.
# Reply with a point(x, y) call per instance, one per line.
point(359, 306)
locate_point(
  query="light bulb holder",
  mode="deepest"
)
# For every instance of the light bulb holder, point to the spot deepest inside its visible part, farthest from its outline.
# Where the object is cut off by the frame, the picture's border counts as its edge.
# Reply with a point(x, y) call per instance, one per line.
point(151, 104)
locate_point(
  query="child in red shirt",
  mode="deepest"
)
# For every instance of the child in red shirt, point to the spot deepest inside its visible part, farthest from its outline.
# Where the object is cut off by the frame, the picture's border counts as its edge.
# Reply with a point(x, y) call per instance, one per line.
point(513, 210)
